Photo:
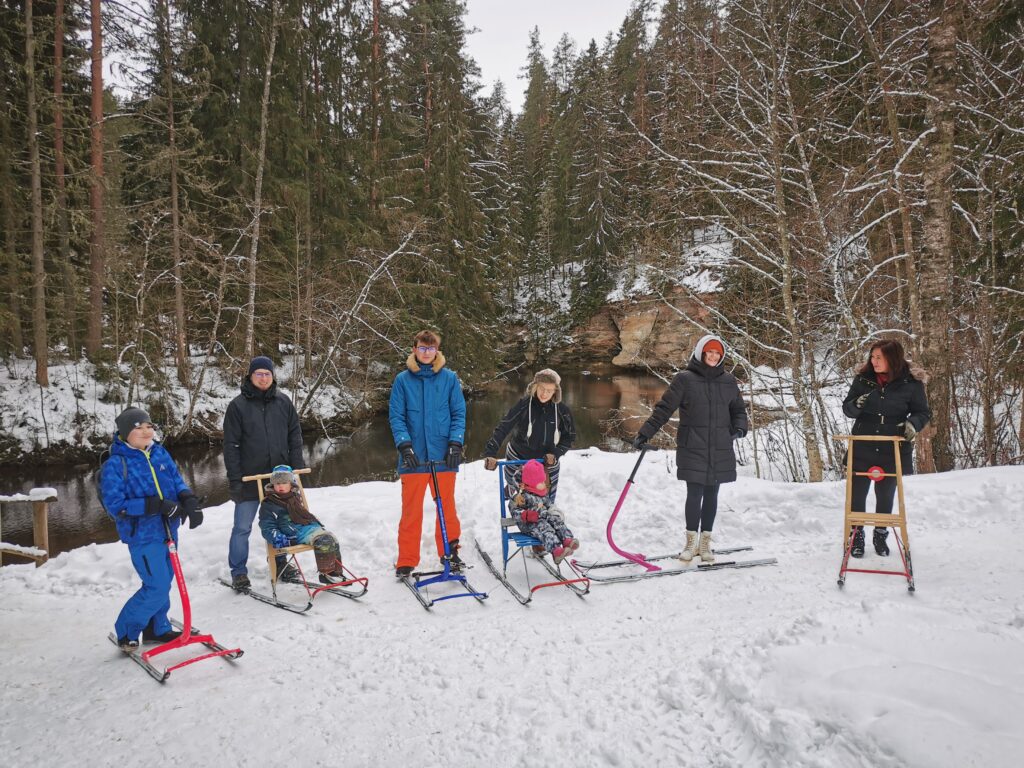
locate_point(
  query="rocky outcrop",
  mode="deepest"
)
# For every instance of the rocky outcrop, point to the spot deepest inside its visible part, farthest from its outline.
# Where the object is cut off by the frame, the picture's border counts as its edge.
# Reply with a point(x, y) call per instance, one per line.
point(638, 333)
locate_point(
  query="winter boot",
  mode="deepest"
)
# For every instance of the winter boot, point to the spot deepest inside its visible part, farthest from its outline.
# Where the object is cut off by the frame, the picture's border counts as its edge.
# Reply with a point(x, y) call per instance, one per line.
point(456, 562)
point(240, 583)
point(127, 645)
point(857, 550)
point(707, 555)
point(402, 571)
point(289, 574)
point(149, 636)
point(570, 544)
point(690, 551)
point(881, 546)
point(558, 554)
point(331, 578)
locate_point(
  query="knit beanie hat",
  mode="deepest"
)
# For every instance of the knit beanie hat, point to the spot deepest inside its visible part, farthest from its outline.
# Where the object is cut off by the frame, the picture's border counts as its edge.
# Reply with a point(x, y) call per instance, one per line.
point(260, 363)
point(129, 419)
point(281, 474)
point(535, 479)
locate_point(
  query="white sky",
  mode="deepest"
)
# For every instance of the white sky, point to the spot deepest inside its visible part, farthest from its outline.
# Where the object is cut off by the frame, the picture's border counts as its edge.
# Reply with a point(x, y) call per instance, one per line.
point(499, 47)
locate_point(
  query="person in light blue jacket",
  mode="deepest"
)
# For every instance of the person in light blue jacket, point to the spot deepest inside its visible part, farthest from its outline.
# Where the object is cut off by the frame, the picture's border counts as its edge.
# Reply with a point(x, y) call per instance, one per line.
point(140, 488)
point(427, 412)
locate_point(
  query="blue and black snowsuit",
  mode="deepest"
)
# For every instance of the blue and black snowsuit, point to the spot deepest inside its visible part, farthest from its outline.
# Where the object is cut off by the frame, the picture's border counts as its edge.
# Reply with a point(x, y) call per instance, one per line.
point(550, 528)
point(127, 479)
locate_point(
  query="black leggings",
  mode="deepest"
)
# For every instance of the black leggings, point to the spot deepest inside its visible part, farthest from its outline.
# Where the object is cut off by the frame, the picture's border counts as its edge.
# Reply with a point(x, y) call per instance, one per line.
point(885, 491)
point(701, 506)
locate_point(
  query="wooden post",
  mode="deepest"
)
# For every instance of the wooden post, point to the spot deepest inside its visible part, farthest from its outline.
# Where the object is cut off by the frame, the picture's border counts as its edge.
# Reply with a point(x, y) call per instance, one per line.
point(41, 529)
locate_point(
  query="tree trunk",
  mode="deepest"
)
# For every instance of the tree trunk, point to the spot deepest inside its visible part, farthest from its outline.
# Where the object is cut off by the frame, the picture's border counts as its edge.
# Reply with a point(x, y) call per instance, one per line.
point(899, 149)
point(39, 335)
point(937, 248)
point(427, 116)
point(180, 330)
point(257, 199)
point(375, 70)
point(93, 337)
point(63, 215)
point(11, 260)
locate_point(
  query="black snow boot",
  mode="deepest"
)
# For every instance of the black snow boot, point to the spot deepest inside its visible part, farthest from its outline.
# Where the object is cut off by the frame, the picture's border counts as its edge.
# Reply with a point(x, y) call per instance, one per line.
point(857, 550)
point(149, 636)
point(881, 547)
point(456, 562)
point(402, 571)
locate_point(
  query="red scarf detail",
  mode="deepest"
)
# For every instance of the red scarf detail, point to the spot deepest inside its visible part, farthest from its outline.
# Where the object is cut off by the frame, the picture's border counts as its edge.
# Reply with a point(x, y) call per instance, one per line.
point(882, 379)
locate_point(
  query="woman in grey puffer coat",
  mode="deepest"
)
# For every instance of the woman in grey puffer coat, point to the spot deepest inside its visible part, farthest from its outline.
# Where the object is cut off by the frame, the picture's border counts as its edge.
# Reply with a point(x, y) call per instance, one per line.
point(711, 415)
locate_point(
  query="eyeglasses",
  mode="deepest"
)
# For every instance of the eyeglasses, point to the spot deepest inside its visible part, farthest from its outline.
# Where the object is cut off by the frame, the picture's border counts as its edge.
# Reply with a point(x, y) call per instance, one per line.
point(425, 350)
point(262, 375)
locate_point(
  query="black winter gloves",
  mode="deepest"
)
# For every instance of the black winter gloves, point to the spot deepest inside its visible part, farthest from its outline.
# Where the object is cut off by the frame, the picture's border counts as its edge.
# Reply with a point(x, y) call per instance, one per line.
point(235, 491)
point(188, 507)
point(739, 434)
point(157, 506)
point(454, 456)
point(639, 441)
point(409, 460)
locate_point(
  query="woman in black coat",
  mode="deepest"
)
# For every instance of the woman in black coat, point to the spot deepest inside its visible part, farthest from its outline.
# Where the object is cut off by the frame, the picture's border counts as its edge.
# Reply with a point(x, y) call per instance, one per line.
point(711, 415)
point(539, 426)
point(885, 399)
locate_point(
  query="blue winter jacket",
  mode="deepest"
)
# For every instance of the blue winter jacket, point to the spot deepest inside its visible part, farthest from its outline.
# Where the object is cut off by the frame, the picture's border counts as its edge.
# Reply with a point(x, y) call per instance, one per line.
point(127, 478)
point(427, 409)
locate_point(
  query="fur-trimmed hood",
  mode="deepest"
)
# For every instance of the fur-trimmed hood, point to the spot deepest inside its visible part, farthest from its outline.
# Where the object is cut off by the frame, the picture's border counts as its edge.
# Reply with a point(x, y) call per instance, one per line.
point(414, 365)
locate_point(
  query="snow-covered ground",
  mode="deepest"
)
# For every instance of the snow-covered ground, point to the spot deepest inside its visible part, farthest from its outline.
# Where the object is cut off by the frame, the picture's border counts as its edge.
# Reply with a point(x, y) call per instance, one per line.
point(772, 666)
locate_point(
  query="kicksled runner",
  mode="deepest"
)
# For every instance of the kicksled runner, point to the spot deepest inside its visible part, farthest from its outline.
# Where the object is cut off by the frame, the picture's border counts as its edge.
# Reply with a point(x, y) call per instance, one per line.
point(418, 581)
point(190, 635)
point(351, 586)
point(636, 567)
point(523, 546)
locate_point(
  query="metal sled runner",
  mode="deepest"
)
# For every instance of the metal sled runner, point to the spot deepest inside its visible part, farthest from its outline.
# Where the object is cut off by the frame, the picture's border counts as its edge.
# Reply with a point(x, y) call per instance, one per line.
point(419, 580)
point(189, 635)
point(351, 586)
point(647, 563)
point(898, 522)
point(523, 546)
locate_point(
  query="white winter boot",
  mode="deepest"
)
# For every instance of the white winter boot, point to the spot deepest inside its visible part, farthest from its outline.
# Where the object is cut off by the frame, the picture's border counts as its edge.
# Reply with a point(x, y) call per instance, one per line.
point(691, 547)
point(705, 552)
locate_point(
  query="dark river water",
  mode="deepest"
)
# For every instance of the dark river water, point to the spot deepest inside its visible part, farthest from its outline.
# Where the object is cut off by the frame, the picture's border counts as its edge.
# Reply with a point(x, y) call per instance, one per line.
point(596, 397)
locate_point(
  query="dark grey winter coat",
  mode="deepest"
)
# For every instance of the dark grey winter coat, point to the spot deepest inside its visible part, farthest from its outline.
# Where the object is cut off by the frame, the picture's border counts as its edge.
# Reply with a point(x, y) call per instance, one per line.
point(261, 430)
point(884, 412)
point(711, 411)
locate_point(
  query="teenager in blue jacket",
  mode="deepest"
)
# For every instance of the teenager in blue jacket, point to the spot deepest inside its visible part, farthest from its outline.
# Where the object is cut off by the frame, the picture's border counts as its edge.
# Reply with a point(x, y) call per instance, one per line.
point(428, 421)
point(141, 487)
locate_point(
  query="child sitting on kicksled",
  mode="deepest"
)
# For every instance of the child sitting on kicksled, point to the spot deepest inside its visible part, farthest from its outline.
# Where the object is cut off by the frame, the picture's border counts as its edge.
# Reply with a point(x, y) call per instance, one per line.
point(285, 522)
point(537, 516)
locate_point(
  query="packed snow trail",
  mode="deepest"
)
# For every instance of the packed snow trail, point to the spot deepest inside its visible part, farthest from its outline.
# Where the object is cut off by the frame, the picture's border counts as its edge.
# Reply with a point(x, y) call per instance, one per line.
point(769, 666)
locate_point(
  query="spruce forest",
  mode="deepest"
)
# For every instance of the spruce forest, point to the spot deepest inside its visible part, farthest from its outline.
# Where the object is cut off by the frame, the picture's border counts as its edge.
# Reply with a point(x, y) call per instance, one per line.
point(321, 178)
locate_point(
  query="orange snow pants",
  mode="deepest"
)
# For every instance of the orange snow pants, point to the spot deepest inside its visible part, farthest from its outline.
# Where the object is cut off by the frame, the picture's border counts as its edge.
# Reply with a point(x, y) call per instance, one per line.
point(410, 528)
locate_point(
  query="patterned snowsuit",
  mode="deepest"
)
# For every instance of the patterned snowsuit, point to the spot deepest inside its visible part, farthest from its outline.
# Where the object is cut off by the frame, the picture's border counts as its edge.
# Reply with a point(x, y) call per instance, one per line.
point(550, 528)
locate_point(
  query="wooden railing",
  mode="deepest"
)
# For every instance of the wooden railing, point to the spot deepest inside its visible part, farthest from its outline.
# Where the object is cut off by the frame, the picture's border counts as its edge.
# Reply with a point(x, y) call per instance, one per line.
point(40, 499)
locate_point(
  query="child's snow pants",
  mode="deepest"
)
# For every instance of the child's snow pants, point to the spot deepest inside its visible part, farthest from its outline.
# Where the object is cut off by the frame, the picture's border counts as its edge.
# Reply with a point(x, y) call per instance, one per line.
point(152, 601)
point(410, 528)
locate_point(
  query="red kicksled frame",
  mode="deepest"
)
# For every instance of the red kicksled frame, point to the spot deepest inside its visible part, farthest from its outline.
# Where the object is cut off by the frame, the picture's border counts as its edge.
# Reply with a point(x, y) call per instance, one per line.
point(189, 635)
point(898, 521)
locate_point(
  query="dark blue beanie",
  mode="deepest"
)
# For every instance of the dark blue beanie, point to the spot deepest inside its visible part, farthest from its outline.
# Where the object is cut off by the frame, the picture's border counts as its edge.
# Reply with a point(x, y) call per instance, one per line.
point(261, 362)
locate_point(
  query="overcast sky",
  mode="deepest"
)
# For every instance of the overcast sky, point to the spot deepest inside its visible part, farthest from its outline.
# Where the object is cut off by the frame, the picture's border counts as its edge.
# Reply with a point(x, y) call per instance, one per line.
point(499, 47)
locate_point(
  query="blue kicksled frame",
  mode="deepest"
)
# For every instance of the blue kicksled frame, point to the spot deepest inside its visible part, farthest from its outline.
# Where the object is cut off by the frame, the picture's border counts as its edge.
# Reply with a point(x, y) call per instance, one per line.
point(523, 542)
point(416, 581)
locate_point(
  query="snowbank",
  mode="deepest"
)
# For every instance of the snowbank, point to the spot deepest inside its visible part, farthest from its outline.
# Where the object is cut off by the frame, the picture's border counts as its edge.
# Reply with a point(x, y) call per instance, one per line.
point(771, 666)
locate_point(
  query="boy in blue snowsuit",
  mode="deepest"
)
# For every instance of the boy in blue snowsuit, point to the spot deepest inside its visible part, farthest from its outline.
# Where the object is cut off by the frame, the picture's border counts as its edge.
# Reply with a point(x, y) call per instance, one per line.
point(141, 487)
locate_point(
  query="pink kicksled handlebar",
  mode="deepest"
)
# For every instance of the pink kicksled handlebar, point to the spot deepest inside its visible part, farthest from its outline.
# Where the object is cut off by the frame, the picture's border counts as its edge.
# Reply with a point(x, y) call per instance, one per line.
point(631, 556)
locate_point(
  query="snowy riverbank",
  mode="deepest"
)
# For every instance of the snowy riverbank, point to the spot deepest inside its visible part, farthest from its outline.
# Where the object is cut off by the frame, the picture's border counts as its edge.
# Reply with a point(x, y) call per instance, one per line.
point(772, 666)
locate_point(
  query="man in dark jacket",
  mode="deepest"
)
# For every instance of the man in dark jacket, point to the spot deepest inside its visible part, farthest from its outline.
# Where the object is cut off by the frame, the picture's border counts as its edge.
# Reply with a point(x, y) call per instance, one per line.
point(261, 430)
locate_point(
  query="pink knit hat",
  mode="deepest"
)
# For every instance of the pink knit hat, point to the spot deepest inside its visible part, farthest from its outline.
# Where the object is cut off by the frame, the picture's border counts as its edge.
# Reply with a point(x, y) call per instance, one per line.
point(535, 479)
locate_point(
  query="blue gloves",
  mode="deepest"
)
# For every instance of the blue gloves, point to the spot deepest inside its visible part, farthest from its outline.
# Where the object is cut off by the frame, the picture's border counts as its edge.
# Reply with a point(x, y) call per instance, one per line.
point(280, 541)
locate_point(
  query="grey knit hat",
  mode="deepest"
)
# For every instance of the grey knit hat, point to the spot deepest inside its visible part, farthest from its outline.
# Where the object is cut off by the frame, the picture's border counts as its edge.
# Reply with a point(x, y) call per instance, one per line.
point(282, 473)
point(129, 419)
